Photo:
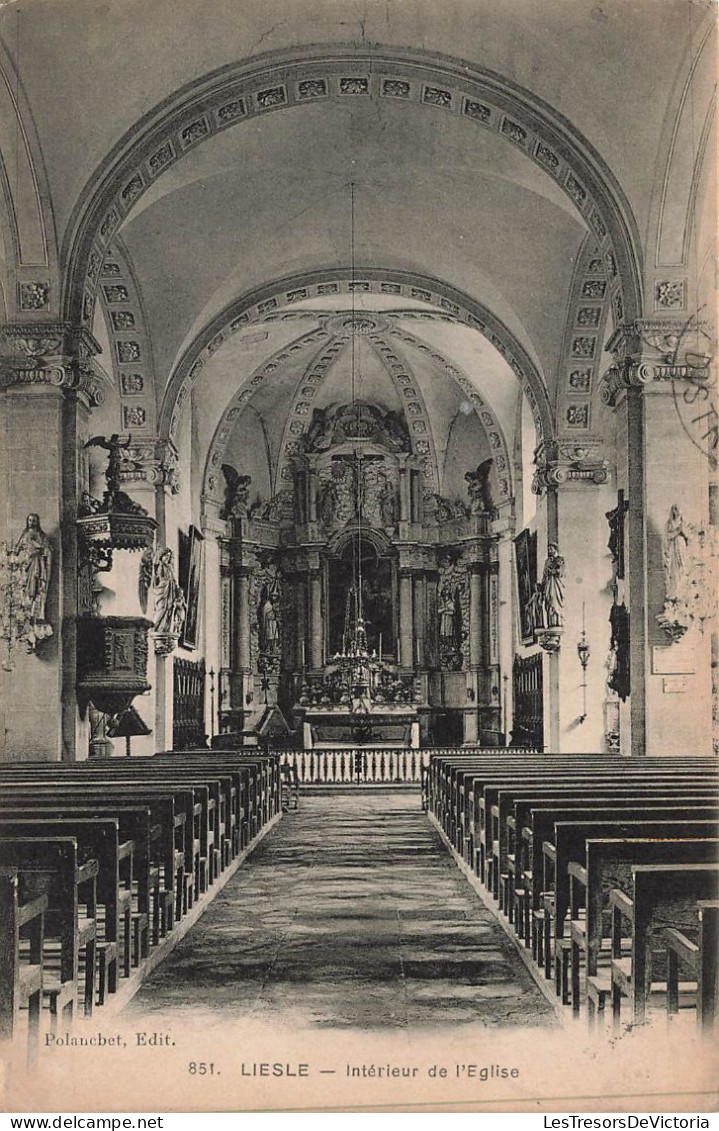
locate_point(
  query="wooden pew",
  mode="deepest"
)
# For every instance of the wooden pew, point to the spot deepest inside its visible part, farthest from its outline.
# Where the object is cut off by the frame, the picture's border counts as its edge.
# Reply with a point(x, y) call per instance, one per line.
point(98, 839)
point(169, 815)
point(533, 822)
point(507, 813)
point(481, 781)
point(92, 776)
point(608, 864)
point(696, 951)
point(569, 844)
point(51, 866)
point(493, 852)
point(20, 982)
point(661, 894)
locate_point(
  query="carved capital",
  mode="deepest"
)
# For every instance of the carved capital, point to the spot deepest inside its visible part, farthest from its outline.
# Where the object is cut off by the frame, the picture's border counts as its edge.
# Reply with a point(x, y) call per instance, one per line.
point(558, 462)
point(54, 354)
point(653, 353)
point(151, 461)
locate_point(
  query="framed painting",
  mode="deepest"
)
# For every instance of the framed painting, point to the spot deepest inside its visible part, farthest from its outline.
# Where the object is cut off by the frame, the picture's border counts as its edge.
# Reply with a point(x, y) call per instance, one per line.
point(189, 560)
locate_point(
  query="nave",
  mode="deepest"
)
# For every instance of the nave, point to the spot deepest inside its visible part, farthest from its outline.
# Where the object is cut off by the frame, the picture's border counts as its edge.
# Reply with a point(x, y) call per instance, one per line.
point(350, 914)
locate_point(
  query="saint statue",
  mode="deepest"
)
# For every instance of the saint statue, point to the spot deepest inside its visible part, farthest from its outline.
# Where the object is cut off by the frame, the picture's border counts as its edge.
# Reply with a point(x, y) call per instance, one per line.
point(387, 503)
point(33, 555)
point(170, 604)
point(553, 587)
point(446, 614)
point(675, 552)
point(269, 628)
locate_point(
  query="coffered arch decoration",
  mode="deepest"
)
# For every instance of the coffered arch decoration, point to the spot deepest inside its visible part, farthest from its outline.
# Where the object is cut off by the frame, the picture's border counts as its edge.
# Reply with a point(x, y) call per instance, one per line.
point(130, 343)
point(375, 329)
point(275, 303)
point(319, 350)
point(314, 342)
point(246, 91)
point(493, 430)
point(595, 304)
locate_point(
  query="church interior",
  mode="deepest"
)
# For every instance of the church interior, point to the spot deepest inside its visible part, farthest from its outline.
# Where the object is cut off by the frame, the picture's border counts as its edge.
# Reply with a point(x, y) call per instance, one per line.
point(359, 434)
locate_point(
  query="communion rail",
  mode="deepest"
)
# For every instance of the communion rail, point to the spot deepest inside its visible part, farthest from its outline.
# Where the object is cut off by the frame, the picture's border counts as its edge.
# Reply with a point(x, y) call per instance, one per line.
point(366, 765)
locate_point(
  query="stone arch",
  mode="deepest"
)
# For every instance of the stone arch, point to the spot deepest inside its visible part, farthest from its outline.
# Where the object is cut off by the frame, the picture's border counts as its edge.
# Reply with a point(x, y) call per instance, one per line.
point(275, 303)
point(595, 303)
point(131, 358)
point(32, 276)
point(690, 124)
point(244, 91)
point(346, 538)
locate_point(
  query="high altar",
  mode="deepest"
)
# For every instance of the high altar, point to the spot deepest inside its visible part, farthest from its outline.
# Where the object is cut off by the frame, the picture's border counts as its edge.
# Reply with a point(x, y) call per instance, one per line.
point(359, 606)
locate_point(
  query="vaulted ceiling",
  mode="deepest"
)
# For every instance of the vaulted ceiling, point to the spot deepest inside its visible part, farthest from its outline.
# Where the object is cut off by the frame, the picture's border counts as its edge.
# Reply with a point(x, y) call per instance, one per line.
point(445, 188)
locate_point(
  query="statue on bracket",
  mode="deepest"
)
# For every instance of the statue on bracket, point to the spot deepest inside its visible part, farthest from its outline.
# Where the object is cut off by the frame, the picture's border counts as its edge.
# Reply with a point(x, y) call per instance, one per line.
point(170, 608)
point(480, 493)
point(266, 597)
point(546, 605)
point(25, 571)
point(553, 587)
point(387, 500)
point(690, 561)
point(615, 545)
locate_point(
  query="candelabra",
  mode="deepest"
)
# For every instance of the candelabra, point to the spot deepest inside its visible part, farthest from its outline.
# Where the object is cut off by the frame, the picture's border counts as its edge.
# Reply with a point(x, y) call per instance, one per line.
point(583, 651)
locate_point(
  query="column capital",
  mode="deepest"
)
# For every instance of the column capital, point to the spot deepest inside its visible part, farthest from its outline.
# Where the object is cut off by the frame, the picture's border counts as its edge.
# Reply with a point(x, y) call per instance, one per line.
point(151, 461)
point(653, 353)
point(56, 354)
point(559, 462)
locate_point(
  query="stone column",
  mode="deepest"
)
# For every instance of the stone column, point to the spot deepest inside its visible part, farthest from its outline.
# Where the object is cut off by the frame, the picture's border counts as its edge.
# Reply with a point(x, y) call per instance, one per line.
point(475, 614)
point(503, 529)
point(242, 620)
point(316, 633)
point(212, 529)
point(311, 494)
point(47, 389)
point(406, 620)
point(152, 479)
point(572, 481)
point(420, 606)
point(404, 501)
point(665, 409)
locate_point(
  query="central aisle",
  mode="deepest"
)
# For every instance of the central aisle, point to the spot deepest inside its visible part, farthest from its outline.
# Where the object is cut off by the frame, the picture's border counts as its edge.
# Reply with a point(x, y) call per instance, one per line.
point(350, 914)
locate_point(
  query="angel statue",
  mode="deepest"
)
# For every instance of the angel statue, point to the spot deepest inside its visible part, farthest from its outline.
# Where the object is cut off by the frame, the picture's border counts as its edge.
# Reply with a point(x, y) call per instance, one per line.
point(480, 493)
point(237, 493)
point(119, 463)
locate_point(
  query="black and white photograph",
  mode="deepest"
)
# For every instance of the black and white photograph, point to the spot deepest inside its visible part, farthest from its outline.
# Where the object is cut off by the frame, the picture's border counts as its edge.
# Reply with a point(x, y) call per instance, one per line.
point(359, 545)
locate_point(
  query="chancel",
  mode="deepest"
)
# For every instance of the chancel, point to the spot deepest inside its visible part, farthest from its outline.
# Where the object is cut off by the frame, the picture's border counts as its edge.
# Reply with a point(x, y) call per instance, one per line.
point(359, 437)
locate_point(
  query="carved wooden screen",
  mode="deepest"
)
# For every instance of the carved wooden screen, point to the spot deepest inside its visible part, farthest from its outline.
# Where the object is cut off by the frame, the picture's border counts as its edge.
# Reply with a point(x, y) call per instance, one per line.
point(188, 704)
point(528, 727)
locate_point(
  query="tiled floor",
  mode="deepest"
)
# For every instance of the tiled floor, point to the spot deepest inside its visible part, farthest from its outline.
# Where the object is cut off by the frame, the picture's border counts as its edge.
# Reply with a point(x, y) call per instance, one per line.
point(350, 914)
